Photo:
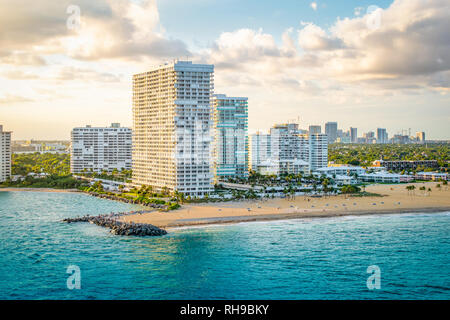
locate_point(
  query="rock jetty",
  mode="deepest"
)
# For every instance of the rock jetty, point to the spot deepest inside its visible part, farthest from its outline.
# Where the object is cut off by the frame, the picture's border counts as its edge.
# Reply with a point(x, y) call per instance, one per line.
point(119, 227)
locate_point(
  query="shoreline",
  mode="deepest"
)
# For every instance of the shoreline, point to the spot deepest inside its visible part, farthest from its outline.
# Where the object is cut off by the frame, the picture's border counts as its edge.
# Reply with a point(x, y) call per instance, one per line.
point(286, 217)
point(8, 189)
point(395, 199)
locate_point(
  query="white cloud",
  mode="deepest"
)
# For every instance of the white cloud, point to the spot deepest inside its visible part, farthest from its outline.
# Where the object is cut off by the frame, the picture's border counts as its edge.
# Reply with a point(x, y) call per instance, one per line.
point(412, 41)
point(358, 11)
point(312, 37)
point(314, 6)
point(109, 29)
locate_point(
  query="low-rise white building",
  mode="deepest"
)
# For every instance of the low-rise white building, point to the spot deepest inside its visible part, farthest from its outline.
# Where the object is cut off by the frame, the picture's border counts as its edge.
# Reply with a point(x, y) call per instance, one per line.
point(434, 176)
point(384, 177)
point(341, 170)
point(341, 180)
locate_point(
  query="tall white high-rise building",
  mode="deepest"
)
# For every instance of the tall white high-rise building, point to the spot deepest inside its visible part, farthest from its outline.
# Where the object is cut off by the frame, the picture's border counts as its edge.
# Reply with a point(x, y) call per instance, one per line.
point(97, 149)
point(172, 122)
point(318, 151)
point(259, 150)
point(230, 137)
point(5, 154)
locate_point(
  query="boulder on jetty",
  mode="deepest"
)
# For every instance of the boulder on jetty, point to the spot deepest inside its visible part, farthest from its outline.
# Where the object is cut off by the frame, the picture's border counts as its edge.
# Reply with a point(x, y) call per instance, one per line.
point(119, 227)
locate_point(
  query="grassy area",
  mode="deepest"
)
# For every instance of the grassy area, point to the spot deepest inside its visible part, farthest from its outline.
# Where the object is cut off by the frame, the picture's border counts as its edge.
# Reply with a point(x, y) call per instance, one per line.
point(143, 196)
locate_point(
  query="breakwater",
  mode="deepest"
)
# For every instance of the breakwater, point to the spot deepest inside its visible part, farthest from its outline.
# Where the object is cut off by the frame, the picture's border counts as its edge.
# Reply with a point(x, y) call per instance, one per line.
point(119, 227)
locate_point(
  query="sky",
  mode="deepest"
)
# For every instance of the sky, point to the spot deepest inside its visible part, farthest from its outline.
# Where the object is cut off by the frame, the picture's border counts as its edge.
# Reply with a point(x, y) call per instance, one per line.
point(364, 64)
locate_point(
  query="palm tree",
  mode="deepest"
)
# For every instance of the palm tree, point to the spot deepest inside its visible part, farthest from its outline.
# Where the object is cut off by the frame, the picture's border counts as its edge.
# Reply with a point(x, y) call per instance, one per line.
point(423, 189)
point(285, 191)
point(410, 189)
point(98, 186)
point(179, 196)
point(165, 191)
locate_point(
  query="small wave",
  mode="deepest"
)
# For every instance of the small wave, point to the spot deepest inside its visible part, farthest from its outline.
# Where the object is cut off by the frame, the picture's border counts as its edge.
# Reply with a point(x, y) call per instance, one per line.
point(437, 287)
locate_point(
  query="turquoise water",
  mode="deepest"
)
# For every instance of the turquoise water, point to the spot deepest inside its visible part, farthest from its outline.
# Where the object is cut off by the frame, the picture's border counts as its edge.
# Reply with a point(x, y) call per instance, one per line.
point(298, 259)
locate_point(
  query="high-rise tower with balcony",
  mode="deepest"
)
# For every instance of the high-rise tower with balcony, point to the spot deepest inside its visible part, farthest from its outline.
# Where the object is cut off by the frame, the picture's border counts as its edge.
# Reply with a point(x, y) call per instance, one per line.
point(172, 122)
point(230, 137)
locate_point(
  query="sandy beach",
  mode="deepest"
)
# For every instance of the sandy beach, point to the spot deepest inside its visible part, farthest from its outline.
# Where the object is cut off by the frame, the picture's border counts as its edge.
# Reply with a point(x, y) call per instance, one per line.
point(396, 199)
point(38, 190)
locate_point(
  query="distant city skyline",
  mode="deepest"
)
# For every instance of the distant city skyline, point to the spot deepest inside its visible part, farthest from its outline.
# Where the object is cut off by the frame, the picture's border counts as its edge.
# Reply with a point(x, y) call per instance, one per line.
point(327, 62)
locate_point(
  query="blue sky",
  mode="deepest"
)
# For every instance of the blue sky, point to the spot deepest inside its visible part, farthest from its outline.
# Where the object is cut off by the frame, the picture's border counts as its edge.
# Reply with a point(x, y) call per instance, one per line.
point(199, 22)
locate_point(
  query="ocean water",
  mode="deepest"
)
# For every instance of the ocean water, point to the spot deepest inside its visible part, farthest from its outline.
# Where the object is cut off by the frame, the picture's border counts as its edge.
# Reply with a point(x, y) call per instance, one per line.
point(324, 258)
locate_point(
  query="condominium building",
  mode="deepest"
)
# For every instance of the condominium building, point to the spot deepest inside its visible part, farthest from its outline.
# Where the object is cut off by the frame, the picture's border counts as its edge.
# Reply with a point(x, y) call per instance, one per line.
point(290, 151)
point(97, 149)
point(304, 147)
point(318, 151)
point(230, 137)
point(5, 154)
point(259, 149)
point(331, 131)
point(382, 136)
point(284, 142)
point(172, 120)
